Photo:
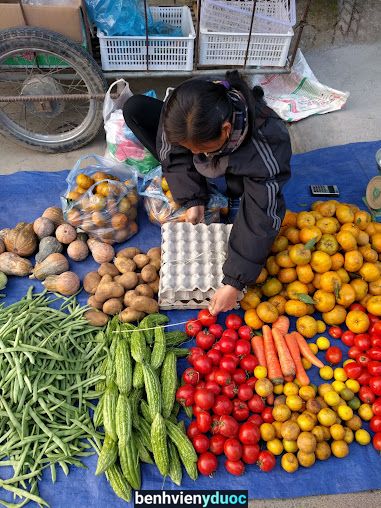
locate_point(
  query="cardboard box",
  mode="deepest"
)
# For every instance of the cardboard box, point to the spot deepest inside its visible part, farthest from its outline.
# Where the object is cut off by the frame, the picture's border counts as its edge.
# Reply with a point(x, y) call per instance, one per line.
point(65, 19)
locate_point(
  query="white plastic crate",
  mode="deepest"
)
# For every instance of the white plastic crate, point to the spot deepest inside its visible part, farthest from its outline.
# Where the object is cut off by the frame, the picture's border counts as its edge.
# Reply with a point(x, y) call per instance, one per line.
point(235, 15)
point(269, 46)
point(164, 52)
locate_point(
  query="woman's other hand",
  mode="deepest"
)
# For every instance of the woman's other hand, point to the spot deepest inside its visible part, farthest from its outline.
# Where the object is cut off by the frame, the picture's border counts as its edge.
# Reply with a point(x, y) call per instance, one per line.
point(224, 299)
point(195, 214)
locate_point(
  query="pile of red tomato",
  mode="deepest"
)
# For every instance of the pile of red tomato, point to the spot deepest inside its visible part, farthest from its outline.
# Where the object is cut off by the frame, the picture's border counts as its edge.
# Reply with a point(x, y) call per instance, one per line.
point(365, 367)
point(219, 386)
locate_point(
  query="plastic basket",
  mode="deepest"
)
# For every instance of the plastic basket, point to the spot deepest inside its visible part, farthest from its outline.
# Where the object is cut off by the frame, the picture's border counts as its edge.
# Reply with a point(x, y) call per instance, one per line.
point(164, 53)
point(235, 15)
point(269, 46)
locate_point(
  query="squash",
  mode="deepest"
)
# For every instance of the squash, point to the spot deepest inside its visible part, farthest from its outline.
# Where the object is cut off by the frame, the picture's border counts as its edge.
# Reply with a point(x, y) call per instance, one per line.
point(43, 227)
point(65, 233)
point(12, 264)
point(48, 245)
point(78, 250)
point(2, 246)
point(66, 283)
point(102, 253)
point(54, 264)
point(21, 240)
point(54, 213)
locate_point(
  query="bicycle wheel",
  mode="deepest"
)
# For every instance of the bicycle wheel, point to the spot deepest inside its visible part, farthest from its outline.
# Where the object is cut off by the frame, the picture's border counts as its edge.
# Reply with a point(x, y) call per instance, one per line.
point(40, 63)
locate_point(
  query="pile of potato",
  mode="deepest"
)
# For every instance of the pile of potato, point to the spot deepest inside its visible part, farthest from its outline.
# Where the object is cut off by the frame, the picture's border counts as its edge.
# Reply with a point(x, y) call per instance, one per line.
point(127, 286)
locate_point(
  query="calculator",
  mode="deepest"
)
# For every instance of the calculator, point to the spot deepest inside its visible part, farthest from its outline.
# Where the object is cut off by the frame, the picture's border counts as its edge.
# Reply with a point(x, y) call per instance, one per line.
point(324, 190)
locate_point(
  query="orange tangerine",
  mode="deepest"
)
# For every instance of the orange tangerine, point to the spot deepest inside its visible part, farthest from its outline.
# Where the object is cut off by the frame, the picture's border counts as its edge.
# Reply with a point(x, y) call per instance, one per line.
point(299, 254)
point(328, 244)
point(279, 302)
point(375, 287)
point(316, 204)
point(343, 274)
point(307, 326)
point(364, 301)
point(337, 261)
point(262, 276)
point(305, 273)
point(358, 321)
point(336, 316)
point(296, 308)
point(328, 225)
point(267, 312)
point(287, 275)
point(376, 240)
point(373, 305)
point(363, 238)
point(272, 287)
point(310, 233)
point(353, 260)
point(283, 259)
point(370, 229)
point(344, 213)
point(369, 272)
point(272, 266)
point(251, 319)
point(289, 218)
point(352, 228)
point(360, 287)
point(250, 301)
point(330, 281)
point(346, 240)
point(296, 288)
point(362, 219)
point(368, 253)
point(327, 208)
point(321, 262)
point(292, 234)
point(305, 219)
point(316, 281)
point(346, 295)
point(324, 301)
point(280, 243)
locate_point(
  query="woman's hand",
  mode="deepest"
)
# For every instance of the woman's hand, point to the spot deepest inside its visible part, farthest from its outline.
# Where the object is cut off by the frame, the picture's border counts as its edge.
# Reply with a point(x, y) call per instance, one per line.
point(195, 214)
point(224, 299)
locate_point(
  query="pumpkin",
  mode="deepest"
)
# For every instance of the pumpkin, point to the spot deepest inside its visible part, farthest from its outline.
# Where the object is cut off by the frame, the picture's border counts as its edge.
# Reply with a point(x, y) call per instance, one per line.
point(21, 240)
point(54, 264)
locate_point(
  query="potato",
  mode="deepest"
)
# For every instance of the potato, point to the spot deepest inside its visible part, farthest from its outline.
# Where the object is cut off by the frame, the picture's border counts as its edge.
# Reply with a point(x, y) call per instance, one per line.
point(96, 317)
point(145, 304)
point(128, 280)
point(156, 262)
point(130, 297)
point(129, 315)
point(155, 252)
point(94, 303)
point(91, 282)
point(144, 290)
point(141, 260)
point(109, 290)
point(149, 273)
point(155, 285)
point(128, 252)
point(112, 306)
point(140, 278)
point(124, 264)
point(109, 269)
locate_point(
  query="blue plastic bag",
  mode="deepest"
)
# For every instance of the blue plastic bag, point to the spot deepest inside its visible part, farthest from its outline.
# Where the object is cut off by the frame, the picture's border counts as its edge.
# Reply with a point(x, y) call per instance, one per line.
point(126, 17)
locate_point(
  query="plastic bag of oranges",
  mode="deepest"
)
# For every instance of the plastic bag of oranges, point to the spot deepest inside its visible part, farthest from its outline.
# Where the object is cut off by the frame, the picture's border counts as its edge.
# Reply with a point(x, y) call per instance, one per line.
point(162, 208)
point(101, 200)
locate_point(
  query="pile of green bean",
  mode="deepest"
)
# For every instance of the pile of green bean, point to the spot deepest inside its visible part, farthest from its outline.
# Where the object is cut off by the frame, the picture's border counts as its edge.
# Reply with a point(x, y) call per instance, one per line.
point(49, 370)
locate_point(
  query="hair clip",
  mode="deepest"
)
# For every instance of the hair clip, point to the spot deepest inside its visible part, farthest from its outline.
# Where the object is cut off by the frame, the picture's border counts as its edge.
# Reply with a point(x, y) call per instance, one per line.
point(224, 83)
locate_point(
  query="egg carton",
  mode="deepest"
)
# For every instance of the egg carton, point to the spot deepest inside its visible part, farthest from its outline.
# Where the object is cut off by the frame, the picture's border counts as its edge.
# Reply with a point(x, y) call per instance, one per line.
point(192, 257)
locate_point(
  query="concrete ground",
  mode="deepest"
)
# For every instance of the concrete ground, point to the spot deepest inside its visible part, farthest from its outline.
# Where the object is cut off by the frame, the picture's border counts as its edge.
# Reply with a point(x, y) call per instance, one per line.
point(342, 44)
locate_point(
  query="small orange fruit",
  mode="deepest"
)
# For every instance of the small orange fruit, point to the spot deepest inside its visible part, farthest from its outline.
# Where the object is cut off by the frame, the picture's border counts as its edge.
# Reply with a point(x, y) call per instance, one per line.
point(267, 312)
point(321, 262)
point(336, 316)
point(296, 308)
point(337, 261)
point(305, 273)
point(292, 234)
point(373, 305)
point(357, 321)
point(283, 259)
point(262, 276)
point(328, 244)
point(369, 272)
point(305, 219)
point(353, 260)
point(346, 240)
point(309, 233)
point(328, 225)
point(352, 228)
point(376, 240)
point(344, 213)
point(375, 287)
point(324, 301)
point(252, 319)
point(289, 218)
point(287, 275)
point(362, 219)
point(307, 326)
point(368, 253)
point(280, 243)
point(250, 300)
point(272, 266)
point(346, 295)
point(296, 288)
point(299, 254)
point(279, 302)
point(327, 208)
point(330, 281)
point(272, 287)
point(360, 287)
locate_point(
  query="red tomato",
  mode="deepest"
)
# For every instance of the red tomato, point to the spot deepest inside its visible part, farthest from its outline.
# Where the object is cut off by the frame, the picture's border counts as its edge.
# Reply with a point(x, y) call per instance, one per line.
point(374, 368)
point(266, 461)
point(242, 347)
point(364, 378)
point(215, 356)
point(348, 338)
point(245, 332)
point(256, 419)
point(251, 382)
point(229, 362)
point(377, 441)
point(362, 341)
point(357, 306)
point(376, 407)
point(197, 410)
point(249, 433)
point(335, 332)
point(226, 345)
point(191, 376)
point(375, 384)
point(230, 390)
point(204, 421)
point(363, 359)
point(375, 340)
point(223, 377)
point(239, 376)
point(213, 387)
point(353, 370)
point(233, 449)
point(216, 444)
point(366, 395)
point(373, 319)
point(333, 355)
point(203, 398)
point(207, 463)
point(206, 318)
point(240, 411)
point(193, 430)
point(354, 352)
point(249, 363)
point(233, 321)
point(192, 327)
point(228, 427)
point(201, 443)
point(185, 395)
point(222, 405)
point(250, 453)
point(216, 424)
point(205, 340)
point(256, 404)
point(245, 392)
point(235, 467)
point(267, 415)
point(200, 384)
point(375, 423)
point(203, 364)
point(375, 353)
point(216, 330)
point(230, 334)
point(376, 327)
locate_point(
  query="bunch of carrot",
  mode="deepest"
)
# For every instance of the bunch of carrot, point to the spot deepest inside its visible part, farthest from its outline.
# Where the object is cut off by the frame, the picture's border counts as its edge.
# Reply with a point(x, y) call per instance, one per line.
point(281, 352)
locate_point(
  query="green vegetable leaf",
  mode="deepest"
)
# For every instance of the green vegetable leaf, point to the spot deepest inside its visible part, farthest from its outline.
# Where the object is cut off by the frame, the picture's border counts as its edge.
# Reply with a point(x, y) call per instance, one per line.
point(311, 243)
point(305, 298)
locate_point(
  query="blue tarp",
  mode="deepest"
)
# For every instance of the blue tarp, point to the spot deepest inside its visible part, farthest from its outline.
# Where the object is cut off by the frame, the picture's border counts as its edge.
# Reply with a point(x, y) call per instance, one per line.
point(24, 195)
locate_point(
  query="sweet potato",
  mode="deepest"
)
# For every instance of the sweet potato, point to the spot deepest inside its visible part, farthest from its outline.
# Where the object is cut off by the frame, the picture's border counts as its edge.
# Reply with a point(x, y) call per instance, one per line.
point(149, 273)
point(145, 304)
point(91, 282)
point(96, 317)
point(129, 315)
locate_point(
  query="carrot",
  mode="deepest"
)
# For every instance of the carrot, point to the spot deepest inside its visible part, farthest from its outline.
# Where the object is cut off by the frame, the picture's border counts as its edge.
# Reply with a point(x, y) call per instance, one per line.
point(286, 363)
point(282, 324)
point(274, 372)
point(258, 348)
point(289, 379)
point(306, 351)
point(293, 347)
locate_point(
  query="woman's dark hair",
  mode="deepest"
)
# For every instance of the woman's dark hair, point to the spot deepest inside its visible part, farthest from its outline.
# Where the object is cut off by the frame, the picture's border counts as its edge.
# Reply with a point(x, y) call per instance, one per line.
point(198, 108)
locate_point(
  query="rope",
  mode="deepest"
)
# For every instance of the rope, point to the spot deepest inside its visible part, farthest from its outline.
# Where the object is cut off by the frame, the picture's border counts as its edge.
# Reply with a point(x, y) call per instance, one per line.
point(154, 327)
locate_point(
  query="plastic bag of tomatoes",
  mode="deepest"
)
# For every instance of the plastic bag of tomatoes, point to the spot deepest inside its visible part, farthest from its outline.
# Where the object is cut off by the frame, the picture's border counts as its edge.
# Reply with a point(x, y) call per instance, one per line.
point(101, 200)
